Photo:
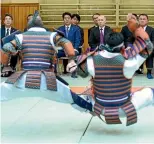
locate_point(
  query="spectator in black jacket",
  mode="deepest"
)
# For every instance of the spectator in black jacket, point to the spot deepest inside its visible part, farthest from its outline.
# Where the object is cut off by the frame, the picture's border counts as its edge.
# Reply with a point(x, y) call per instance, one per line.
point(95, 20)
point(128, 36)
point(29, 17)
point(143, 21)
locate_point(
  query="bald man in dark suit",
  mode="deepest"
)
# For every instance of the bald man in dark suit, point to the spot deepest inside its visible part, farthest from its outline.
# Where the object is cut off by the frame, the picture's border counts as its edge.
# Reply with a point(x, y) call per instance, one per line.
point(98, 34)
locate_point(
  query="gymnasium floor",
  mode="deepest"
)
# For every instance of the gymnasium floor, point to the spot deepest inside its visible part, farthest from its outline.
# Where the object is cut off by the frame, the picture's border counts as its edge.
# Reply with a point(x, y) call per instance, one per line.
point(37, 120)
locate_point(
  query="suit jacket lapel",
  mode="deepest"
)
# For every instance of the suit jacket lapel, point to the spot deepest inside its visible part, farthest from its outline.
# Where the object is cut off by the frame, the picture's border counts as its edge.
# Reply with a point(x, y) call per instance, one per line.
point(147, 29)
point(97, 34)
point(70, 30)
point(2, 32)
point(105, 31)
point(12, 30)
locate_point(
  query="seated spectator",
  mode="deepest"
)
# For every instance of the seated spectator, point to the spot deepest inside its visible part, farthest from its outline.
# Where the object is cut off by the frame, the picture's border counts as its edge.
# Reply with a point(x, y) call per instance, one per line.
point(129, 38)
point(72, 33)
point(128, 35)
point(98, 34)
point(95, 20)
point(6, 30)
point(29, 17)
point(76, 20)
point(143, 22)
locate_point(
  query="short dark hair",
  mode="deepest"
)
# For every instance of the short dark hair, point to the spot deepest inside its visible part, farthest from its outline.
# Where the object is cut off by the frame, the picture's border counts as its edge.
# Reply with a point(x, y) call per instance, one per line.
point(77, 16)
point(144, 15)
point(8, 15)
point(29, 16)
point(66, 13)
point(95, 14)
point(135, 15)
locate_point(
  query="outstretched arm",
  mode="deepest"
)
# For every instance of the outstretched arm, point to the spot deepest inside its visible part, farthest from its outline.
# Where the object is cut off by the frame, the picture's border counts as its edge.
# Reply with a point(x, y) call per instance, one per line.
point(10, 47)
point(84, 65)
point(82, 69)
point(14, 45)
point(66, 45)
point(133, 63)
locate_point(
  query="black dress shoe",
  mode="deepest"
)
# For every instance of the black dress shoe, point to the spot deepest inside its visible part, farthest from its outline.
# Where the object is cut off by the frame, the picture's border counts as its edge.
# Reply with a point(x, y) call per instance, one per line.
point(139, 72)
point(65, 72)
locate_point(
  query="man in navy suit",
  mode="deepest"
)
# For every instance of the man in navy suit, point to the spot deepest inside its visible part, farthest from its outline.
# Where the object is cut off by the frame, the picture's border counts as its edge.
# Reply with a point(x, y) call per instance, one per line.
point(72, 33)
point(6, 30)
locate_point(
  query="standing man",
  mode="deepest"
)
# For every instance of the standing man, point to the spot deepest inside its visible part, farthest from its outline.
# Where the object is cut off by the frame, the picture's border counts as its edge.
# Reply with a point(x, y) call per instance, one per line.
point(98, 34)
point(6, 30)
point(143, 21)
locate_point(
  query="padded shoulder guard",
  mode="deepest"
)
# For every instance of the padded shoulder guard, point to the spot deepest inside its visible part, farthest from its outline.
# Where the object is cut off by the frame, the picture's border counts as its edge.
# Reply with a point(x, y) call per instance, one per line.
point(10, 37)
point(81, 58)
point(133, 49)
point(59, 32)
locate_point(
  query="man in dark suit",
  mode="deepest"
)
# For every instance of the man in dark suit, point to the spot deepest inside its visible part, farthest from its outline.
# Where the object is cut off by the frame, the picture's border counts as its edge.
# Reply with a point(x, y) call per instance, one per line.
point(72, 33)
point(6, 30)
point(29, 17)
point(129, 38)
point(75, 21)
point(128, 35)
point(98, 34)
point(143, 21)
point(95, 20)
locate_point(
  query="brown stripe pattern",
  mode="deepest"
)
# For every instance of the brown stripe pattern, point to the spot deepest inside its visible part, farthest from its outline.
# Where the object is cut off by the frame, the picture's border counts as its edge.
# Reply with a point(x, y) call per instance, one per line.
point(112, 115)
point(130, 111)
point(110, 84)
point(37, 51)
point(51, 80)
point(14, 77)
point(133, 49)
point(98, 108)
point(112, 90)
point(33, 79)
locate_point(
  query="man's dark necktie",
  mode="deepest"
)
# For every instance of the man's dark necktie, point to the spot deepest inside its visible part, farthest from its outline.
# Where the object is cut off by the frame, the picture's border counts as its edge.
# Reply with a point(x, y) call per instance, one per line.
point(67, 31)
point(7, 32)
point(101, 36)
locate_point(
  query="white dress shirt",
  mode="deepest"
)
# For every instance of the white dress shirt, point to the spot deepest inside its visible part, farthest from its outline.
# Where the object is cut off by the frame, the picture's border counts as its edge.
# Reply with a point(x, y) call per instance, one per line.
point(6, 30)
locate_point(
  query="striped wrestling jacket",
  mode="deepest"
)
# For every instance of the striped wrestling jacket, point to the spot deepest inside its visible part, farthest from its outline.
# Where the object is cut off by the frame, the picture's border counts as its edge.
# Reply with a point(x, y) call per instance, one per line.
point(37, 52)
point(112, 90)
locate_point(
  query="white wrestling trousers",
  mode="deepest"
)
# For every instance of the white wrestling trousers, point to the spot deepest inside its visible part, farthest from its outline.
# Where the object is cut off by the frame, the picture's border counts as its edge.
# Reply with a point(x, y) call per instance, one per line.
point(18, 90)
point(140, 99)
point(9, 91)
